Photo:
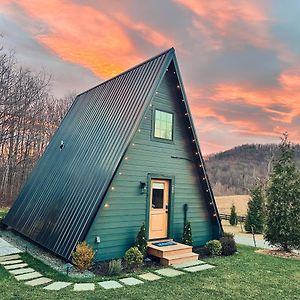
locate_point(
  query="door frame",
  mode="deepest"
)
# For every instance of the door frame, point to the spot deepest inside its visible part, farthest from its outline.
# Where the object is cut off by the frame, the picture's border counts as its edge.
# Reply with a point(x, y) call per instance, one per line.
point(151, 176)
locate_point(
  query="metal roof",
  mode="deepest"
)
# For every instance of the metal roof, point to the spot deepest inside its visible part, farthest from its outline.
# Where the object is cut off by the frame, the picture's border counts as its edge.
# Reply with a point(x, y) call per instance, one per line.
point(61, 197)
point(64, 191)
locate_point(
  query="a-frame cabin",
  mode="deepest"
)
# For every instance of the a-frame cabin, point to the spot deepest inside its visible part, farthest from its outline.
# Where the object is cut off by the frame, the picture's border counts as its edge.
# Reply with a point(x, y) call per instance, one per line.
point(125, 154)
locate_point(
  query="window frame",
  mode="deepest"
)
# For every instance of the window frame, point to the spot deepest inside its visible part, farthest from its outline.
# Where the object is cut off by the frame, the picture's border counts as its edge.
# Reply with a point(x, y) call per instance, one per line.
point(153, 137)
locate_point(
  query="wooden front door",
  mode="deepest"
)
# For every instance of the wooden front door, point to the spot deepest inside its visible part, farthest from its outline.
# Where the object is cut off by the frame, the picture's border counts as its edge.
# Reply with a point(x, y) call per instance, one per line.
point(159, 200)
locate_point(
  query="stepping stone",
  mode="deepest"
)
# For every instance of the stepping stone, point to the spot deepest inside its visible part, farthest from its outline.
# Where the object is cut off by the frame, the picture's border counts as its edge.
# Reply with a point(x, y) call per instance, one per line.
point(38, 281)
point(188, 264)
point(199, 268)
point(110, 284)
point(149, 276)
point(21, 271)
point(84, 286)
point(58, 285)
point(16, 266)
point(169, 272)
point(9, 257)
point(131, 281)
point(11, 262)
point(28, 276)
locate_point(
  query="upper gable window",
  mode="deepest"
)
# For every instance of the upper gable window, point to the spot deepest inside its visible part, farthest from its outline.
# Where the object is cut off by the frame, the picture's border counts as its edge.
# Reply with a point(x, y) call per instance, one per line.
point(163, 125)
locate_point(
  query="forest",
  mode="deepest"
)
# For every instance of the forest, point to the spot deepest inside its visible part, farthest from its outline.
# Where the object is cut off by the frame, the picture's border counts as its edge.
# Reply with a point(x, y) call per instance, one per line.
point(29, 115)
point(234, 171)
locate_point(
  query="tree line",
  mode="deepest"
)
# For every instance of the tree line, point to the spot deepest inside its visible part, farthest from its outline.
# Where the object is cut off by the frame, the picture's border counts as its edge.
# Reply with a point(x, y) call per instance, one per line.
point(29, 115)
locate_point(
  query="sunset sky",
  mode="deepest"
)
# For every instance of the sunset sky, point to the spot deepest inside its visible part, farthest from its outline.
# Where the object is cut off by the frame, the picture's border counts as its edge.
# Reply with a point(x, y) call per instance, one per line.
point(239, 59)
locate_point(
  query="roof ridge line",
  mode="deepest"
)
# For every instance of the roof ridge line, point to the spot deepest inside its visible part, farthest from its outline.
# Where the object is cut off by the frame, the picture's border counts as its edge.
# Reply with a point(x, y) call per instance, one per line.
point(128, 70)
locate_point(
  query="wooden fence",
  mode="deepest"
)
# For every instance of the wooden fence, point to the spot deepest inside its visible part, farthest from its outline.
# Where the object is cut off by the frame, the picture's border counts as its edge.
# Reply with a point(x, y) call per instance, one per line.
point(227, 217)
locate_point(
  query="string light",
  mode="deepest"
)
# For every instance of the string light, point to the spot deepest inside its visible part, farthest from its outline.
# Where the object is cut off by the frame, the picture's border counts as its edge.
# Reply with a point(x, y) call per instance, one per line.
point(133, 144)
point(193, 141)
point(182, 100)
point(120, 173)
point(112, 188)
point(106, 205)
point(200, 166)
point(174, 72)
point(196, 153)
point(156, 93)
point(150, 104)
point(167, 69)
point(210, 203)
point(186, 114)
point(126, 158)
point(178, 86)
point(203, 178)
point(139, 130)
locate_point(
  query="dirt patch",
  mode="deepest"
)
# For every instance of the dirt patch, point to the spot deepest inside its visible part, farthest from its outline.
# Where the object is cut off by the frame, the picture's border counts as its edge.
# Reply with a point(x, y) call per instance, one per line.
point(240, 201)
point(279, 253)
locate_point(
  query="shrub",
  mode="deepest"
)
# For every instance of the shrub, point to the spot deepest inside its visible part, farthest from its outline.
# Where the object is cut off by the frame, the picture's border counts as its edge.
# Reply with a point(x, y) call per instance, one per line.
point(133, 258)
point(141, 240)
point(187, 234)
point(228, 234)
point(233, 216)
point(228, 245)
point(214, 247)
point(114, 267)
point(83, 256)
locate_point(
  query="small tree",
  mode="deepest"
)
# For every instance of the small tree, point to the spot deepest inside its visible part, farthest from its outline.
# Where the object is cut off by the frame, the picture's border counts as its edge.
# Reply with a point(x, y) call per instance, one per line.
point(283, 200)
point(141, 240)
point(256, 209)
point(233, 220)
point(187, 234)
point(83, 256)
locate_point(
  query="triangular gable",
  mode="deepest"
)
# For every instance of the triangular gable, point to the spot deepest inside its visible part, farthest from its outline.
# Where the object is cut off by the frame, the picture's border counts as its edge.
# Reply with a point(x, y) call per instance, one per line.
point(62, 195)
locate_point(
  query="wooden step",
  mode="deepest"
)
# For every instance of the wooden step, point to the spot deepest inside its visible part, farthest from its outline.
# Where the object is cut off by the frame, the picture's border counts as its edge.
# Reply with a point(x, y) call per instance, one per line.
point(161, 252)
point(178, 258)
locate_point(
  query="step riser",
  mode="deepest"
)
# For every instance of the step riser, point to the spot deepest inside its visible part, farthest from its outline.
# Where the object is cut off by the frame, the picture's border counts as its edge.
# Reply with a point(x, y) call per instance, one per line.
point(161, 253)
point(167, 262)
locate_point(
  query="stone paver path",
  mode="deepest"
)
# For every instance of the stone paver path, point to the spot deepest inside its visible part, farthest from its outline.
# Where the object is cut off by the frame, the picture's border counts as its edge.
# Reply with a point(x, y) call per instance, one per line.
point(9, 257)
point(84, 287)
point(149, 276)
point(21, 271)
point(57, 285)
point(131, 281)
point(199, 268)
point(28, 276)
point(168, 272)
point(38, 281)
point(11, 262)
point(110, 284)
point(188, 264)
point(16, 266)
point(7, 249)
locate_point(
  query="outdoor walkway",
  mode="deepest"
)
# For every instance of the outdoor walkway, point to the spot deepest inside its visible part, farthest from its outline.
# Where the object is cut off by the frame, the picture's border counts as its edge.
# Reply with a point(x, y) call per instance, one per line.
point(249, 242)
point(13, 263)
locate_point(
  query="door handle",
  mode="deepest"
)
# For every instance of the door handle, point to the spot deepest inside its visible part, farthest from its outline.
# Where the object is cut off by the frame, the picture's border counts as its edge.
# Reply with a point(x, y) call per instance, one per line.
point(167, 206)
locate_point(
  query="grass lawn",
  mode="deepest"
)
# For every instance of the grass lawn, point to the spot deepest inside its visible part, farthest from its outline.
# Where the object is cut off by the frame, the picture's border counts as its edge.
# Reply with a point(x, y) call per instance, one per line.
point(246, 275)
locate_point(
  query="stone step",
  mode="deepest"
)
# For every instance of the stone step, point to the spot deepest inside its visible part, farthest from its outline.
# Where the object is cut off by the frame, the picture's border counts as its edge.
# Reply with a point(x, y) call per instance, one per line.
point(11, 262)
point(15, 266)
point(9, 257)
point(21, 271)
point(179, 258)
point(38, 281)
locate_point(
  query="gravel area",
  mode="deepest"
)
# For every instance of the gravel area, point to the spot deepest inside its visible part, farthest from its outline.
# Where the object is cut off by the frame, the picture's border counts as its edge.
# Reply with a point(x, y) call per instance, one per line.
point(38, 252)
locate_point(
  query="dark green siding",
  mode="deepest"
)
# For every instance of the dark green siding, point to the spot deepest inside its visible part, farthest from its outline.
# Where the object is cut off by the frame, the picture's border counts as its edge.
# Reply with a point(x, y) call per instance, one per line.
point(118, 224)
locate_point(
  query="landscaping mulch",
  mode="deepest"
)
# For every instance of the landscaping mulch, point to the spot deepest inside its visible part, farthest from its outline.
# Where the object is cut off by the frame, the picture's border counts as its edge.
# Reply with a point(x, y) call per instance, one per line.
point(279, 253)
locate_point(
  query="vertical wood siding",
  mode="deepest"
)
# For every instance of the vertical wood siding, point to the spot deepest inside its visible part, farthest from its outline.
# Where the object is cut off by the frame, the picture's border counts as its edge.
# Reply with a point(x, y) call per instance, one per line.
point(124, 208)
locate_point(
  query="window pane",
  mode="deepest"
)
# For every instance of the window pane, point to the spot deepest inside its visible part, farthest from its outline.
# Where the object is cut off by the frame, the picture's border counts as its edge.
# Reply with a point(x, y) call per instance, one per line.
point(163, 125)
point(157, 198)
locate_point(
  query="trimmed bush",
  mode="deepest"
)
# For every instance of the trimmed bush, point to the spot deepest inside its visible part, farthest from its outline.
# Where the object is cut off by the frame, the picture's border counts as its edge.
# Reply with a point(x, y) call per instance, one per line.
point(133, 258)
point(214, 247)
point(187, 238)
point(141, 240)
point(228, 234)
point(114, 267)
point(233, 220)
point(228, 245)
point(83, 256)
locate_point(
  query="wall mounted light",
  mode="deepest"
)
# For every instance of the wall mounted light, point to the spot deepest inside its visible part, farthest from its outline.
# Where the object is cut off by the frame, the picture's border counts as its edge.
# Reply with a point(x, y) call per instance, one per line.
point(143, 187)
point(62, 145)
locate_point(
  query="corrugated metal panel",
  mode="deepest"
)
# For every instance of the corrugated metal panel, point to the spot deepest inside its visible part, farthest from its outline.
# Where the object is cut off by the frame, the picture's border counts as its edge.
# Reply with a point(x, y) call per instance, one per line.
point(63, 193)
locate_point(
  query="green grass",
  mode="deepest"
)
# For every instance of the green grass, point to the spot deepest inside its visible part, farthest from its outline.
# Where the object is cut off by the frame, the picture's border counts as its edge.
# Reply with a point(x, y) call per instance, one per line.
point(246, 275)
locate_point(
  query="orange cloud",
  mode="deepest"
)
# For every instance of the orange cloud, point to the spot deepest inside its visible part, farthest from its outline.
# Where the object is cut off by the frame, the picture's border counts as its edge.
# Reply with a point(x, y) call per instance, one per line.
point(264, 111)
point(84, 35)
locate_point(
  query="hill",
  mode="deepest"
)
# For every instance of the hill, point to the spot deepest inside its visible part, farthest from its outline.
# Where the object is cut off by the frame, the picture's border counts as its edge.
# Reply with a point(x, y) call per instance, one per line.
point(232, 172)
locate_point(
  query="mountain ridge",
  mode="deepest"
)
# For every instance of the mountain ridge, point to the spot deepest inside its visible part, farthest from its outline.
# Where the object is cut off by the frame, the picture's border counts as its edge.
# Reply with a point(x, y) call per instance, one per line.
point(232, 172)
